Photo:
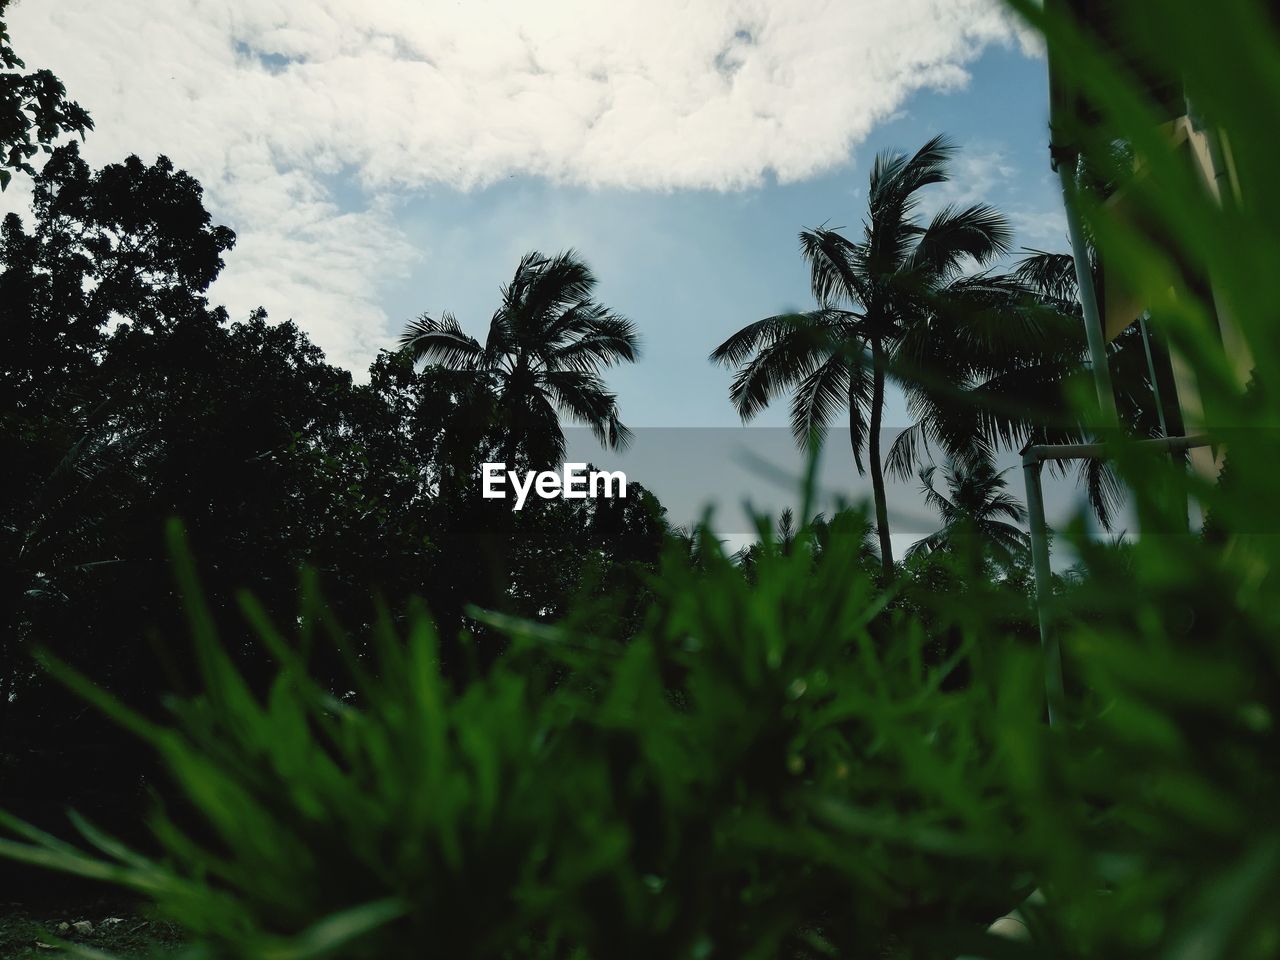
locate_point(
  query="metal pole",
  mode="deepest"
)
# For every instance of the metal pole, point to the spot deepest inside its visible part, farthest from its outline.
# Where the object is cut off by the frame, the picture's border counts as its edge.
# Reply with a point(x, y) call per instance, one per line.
point(1151, 371)
point(1031, 469)
point(1088, 295)
point(1033, 458)
point(1179, 456)
point(1088, 451)
point(1065, 159)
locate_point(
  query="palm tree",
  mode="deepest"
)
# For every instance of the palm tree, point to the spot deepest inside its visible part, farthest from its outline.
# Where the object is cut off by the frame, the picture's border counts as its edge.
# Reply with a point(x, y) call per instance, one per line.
point(1043, 385)
point(818, 538)
point(547, 344)
point(879, 300)
point(975, 506)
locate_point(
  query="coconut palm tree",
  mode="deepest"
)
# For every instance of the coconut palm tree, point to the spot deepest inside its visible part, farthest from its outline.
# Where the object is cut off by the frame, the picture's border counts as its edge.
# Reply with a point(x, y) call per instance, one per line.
point(1042, 384)
point(818, 538)
point(976, 505)
point(879, 299)
point(547, 344)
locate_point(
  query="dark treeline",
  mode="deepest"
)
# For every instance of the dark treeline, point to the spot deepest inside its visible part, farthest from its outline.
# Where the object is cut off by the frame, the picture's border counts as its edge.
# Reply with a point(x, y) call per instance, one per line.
point(126, 398)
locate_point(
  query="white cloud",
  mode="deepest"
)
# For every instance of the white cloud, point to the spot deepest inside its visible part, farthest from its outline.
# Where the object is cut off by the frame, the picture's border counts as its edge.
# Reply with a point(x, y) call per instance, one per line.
point(273, 104)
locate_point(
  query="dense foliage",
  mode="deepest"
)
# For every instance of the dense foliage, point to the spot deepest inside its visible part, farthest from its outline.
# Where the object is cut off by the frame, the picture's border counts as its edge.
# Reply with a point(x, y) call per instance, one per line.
point(34, 111)
point(125, 399)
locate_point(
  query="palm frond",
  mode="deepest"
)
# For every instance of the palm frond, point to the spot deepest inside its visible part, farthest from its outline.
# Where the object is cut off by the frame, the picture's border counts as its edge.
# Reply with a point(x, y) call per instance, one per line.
point(1051, 275)
point(834, 267)
point(977, 233)
point(786, 351)
point(926, 545)
point(895, 181)
point(935, 500)
point(441, 341)
point(584, 397)
point(1103, 489)
point(817, 398)
point(553, 285)
point(763, 333)
point(908, 450)
point(595, 339)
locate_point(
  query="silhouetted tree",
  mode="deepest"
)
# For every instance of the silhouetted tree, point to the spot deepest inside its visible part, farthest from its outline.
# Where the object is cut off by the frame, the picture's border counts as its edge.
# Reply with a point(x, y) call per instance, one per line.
point(817, 538)
point(32, 103)
point(873, 295)
point(977, 514)
point(132, 246)
point(542, 359)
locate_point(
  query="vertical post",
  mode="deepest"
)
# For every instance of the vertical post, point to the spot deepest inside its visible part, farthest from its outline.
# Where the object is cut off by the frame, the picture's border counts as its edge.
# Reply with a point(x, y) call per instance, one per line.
point(1086, 291)
point(1031, 470)
point(1178, 457)
point(1065, 161)
point(1151, 372)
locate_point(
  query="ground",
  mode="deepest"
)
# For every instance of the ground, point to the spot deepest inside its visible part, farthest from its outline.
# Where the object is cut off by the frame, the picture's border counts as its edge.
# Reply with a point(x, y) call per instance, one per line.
point(123, 930)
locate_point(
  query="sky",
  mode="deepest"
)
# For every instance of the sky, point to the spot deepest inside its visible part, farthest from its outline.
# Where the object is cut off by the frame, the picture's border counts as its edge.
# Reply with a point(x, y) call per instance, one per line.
point(386, 158)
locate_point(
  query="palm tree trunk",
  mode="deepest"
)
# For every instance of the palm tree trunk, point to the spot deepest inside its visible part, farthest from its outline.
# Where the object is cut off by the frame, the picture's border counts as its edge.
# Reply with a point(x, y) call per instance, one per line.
point(502, 536)
point(873, 455)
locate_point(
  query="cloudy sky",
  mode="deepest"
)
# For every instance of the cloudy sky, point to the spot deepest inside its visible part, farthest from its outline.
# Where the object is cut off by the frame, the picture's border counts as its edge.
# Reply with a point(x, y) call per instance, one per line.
point(382, 158)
